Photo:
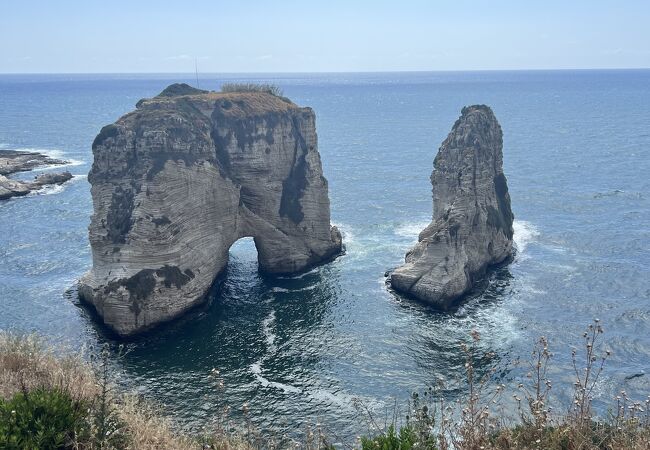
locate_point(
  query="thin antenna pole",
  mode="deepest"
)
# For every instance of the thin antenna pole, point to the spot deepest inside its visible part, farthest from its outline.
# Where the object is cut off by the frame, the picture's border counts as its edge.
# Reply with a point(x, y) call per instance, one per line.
point(196, 69)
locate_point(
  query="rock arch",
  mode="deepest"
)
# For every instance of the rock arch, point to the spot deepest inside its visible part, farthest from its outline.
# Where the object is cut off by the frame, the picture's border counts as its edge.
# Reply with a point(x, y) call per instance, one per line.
point(178, 181)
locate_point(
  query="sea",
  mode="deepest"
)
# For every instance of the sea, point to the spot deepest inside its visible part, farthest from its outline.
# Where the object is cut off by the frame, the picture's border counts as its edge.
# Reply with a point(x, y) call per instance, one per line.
point(329, 348)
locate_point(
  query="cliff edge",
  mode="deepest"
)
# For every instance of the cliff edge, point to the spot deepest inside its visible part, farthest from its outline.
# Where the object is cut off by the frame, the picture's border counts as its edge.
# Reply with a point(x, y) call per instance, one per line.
point(472, 220)
point(177, 181)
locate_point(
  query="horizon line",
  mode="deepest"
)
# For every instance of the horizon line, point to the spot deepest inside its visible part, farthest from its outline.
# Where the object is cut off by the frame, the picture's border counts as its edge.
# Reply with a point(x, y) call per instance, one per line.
point(336, 71)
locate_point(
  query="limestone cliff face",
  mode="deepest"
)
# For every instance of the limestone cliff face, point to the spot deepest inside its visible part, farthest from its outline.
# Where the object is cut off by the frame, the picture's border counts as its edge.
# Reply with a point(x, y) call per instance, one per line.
point(472, 219)
point(178, 181)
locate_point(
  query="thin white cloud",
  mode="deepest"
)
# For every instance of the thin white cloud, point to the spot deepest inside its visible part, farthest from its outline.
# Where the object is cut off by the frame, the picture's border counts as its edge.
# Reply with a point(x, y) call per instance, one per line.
point(178, 57)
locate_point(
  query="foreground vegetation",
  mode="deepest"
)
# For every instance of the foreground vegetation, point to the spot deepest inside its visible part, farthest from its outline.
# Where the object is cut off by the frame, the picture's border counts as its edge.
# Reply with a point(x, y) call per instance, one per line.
point(473, 422)
point(50, 399)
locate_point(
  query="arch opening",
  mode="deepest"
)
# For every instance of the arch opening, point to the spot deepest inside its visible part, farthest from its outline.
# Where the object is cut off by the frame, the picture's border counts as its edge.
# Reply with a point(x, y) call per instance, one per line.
point(243, 252)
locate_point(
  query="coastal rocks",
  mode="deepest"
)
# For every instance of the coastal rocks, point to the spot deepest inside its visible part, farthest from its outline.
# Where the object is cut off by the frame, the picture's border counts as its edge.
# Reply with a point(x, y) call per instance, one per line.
point(472, 220)
point(20, 161)
point(177, 181)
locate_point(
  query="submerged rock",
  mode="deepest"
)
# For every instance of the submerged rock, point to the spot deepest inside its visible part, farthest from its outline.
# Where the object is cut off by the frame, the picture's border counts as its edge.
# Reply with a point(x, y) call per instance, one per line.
point(20, 161)
point(472, 220)
point(178, 181)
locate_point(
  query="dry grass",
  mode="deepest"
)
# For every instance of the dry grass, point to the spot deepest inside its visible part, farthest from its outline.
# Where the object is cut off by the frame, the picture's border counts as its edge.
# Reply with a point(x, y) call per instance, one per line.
point(252, 87)
point(27, 363)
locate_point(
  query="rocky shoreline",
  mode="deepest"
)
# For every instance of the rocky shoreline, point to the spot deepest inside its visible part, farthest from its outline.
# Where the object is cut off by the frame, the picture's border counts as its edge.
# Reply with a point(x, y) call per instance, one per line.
point(12, 161)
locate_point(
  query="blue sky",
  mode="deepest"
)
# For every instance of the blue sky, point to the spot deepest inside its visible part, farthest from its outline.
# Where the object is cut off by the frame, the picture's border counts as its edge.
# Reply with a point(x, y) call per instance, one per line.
point(314, 36)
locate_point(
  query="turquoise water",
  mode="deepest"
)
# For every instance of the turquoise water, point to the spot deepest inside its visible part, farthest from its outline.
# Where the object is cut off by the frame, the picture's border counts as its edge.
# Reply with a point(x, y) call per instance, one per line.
point(299, 350)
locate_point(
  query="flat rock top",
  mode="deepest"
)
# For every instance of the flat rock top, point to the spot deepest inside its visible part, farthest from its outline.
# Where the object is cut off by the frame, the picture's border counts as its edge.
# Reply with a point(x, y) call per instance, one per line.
point(231, 104)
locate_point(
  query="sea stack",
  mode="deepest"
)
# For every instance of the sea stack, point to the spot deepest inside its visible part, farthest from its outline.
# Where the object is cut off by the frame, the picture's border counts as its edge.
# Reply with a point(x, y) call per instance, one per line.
point(177, 181)
point(472, 220)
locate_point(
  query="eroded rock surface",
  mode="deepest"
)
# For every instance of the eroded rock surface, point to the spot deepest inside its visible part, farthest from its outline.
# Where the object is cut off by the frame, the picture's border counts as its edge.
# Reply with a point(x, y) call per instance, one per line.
point(472, 220)
point(20, 161)
point(178, 181)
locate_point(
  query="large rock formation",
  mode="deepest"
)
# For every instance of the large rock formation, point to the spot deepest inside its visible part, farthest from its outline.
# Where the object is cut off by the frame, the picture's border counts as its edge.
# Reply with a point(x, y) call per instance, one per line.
point(472, 219)
point(176, 182)
point(12, 161)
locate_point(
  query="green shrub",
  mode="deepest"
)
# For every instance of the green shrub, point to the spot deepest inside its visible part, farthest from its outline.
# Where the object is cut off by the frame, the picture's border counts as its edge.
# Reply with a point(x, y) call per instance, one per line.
point(391, 440)
point(44, 419)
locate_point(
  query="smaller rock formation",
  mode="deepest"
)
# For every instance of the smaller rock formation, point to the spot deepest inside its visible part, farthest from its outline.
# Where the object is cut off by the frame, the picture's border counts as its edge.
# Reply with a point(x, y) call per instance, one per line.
point(472, 220)
point(19, 161)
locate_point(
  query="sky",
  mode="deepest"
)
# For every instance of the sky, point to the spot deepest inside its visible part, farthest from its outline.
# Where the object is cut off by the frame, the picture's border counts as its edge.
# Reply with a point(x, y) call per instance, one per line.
point(144, 36)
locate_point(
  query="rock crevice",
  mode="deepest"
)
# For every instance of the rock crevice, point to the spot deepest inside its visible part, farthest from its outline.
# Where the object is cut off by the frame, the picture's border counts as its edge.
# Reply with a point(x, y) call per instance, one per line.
point(472, 220)
point(177, 181)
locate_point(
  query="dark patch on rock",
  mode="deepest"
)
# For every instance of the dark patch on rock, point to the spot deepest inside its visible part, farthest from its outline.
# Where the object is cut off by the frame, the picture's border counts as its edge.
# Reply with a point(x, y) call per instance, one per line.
point(453, 229)
point(243, 129)
point(292, 190)
point(172, 276)
point(244, 132)
point(160, 221)
point(109, 131)
point(296, 183)
point(160, 159)
point(503, 199)
point(220, 150)
point(139, 286)
point(118, 220)
point(177, 89)
point(142, 284)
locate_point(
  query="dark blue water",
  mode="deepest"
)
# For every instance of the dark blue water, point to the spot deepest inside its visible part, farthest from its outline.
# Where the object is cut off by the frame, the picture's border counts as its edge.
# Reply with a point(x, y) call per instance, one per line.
point(299, 350)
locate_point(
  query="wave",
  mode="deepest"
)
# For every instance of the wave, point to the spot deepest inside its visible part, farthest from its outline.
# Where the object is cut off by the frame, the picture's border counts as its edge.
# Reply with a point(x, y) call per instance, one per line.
point(280, 289)
point(524, 233)
point(256, 369)
point(343, 399)
point(48, 190)
point(285, 290)
point(411, 230)
point(307, 288)
point(269, 335)
point(297, 277)
point(52, 153)
point(52, 189)
point(57, 154)
point(346, 233)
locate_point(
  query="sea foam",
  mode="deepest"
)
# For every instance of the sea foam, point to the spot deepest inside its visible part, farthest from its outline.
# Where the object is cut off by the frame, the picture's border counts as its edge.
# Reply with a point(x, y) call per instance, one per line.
point(524, 233)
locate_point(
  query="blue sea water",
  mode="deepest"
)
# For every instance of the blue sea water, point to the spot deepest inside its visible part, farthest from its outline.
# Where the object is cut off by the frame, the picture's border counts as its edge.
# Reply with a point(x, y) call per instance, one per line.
point(300, 350)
